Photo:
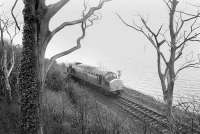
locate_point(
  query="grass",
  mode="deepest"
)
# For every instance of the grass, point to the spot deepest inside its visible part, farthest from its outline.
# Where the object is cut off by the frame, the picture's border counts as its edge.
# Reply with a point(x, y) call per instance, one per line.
point(85, 116)
point(9, 118)
point(128, 125)
point(73, 110)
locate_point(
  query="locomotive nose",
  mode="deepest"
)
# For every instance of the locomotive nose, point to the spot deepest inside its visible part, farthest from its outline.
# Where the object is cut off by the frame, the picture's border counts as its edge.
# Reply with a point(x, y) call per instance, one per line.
point(116, 85)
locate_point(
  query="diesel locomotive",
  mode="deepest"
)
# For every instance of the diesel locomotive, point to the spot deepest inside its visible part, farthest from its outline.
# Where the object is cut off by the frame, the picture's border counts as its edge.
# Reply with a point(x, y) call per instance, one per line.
point(107, 81)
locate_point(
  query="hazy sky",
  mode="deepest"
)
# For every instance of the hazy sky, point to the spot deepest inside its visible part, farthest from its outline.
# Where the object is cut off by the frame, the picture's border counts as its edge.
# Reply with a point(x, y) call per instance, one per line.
point(109, 43)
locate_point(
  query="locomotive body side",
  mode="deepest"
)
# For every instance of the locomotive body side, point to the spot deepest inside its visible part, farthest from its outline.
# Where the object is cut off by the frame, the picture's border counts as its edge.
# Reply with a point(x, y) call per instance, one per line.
point(107, 81)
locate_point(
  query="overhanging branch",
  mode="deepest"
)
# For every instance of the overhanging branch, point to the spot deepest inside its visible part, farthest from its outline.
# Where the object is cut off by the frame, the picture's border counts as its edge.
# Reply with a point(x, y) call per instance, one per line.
point(189, 65)
point(156, 44)
point(78, 21)
point(54, 8)
point(12, 13)
point(78, 45)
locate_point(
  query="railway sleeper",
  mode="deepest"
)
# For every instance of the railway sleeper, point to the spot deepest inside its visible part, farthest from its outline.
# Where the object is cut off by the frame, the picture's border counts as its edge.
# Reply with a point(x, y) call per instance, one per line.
point(161, 119)
point(153, 114)
point(143, 112)
point(145, 109)
point(142, 107)
point(157, 126)
point(142, 115)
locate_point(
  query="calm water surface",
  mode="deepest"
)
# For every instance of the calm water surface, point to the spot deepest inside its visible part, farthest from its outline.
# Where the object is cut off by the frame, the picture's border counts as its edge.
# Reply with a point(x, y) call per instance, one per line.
point(187, 85)
point(143, 77)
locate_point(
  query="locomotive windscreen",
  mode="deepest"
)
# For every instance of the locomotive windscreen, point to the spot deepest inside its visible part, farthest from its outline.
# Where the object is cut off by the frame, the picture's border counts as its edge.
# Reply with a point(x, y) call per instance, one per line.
point(110, 76)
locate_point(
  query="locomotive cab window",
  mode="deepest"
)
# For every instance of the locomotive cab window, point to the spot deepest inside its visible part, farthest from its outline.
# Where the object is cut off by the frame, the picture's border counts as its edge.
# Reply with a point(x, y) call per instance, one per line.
point(110, 76)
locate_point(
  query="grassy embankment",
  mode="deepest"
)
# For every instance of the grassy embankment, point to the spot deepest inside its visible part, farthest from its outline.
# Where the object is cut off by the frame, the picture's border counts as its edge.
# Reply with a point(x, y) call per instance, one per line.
point(74, 111)
point(69, 109)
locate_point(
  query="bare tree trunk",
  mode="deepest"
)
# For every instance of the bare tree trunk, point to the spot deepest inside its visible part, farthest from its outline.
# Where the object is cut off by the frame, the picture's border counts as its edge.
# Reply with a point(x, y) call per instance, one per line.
point(6, 77)
point(40, 85)
point(42, 33)
point(169, 113)
point(167, 82)
point(8, 88)
point(1, 79)
point(6, 72)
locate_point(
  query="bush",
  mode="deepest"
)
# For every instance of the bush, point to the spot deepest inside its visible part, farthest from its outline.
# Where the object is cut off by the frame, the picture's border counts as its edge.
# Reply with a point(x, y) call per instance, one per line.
point(91, 117)
point(9, 118)
point(55, 79)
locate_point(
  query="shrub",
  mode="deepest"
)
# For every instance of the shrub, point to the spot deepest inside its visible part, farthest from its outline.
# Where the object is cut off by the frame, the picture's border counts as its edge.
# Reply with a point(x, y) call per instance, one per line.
point(55, 80)
point(9, 118)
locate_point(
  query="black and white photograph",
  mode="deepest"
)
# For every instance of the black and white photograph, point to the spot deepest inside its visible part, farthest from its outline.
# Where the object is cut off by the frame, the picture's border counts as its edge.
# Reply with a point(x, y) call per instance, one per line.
point(99, 67)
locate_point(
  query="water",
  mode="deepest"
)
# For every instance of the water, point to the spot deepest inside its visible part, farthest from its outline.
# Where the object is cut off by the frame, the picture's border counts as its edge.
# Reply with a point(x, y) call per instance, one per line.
point(187, 85)
point(143, 77)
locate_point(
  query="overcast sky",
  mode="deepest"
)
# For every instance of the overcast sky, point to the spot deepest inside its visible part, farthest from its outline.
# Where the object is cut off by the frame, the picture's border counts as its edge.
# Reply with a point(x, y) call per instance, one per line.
point(109, 43)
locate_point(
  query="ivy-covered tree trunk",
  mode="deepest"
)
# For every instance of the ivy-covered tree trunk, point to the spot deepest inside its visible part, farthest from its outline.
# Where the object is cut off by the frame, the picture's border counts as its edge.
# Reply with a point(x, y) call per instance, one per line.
point(2, 84)
point(2, 78)
point(29, 84)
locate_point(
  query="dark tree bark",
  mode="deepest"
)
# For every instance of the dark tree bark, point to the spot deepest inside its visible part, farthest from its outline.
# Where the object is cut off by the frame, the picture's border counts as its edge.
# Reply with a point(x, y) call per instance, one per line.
point(28, 77)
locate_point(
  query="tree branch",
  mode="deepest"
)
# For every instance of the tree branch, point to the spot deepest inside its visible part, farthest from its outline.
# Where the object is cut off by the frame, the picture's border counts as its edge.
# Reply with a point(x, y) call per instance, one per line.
point(188, 65)
point(11, 38)
point(173, 35)
point(12, 13)
point(137, 28)
point(12, 63)
point(167, 3)
point(78, 21)
point(191, 36)
point(83, 21)
point(78, 46)
point(54, 8)
point(156, 44)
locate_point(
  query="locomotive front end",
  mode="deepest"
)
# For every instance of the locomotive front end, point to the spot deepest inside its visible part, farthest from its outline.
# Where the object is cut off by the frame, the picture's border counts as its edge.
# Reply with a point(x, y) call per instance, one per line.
point(116, 85)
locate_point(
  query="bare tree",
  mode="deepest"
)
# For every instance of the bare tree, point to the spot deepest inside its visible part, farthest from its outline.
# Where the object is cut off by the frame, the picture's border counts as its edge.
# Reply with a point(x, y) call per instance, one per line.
point(7, 66)
point(84, 25)
point(45, 35)
point(36, 37)
point(183, 30)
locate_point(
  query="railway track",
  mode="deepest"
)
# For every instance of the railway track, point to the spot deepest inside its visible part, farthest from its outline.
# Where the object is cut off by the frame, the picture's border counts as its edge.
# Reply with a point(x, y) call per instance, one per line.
point(149, 117)
point(154, 119)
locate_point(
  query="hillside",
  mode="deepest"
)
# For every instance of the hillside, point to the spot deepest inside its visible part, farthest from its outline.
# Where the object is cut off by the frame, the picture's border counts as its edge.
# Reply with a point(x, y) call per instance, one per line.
point(72, 108)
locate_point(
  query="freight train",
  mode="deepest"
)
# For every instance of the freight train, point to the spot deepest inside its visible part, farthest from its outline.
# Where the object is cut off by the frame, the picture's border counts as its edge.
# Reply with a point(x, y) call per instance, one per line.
point(108, 82)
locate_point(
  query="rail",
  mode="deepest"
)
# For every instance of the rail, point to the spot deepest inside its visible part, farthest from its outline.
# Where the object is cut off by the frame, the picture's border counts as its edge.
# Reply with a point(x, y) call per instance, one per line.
point(153, 119)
